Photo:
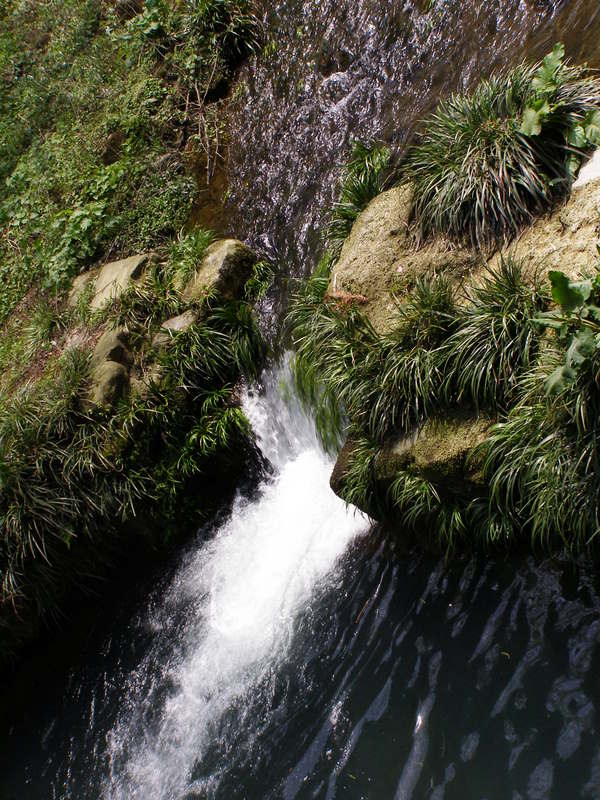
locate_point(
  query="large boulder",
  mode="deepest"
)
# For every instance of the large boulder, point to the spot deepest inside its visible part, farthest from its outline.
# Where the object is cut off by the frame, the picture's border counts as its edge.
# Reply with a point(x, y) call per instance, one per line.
point(109, 383)
point(379, 259)
point(225, 268)
point(565, 239)
point(115, 277)
point(440, 451)
point(113, 345)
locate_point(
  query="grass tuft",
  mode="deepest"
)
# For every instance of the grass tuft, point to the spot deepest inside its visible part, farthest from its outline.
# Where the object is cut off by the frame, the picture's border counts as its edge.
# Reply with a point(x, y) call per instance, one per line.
point(495, 338)
point(480, 172)
point(364, 177)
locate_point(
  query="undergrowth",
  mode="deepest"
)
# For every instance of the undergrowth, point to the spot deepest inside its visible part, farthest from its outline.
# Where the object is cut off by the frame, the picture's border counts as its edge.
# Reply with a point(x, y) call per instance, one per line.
point(77, 483)
point(538, 480)
point(95, 115)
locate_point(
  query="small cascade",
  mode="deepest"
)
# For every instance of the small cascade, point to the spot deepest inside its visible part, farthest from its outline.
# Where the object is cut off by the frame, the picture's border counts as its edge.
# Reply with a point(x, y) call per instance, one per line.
point(237, 598)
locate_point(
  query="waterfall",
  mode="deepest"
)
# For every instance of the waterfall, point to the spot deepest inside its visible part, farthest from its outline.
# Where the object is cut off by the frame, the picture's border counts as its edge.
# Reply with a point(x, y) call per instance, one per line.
point(240, 595)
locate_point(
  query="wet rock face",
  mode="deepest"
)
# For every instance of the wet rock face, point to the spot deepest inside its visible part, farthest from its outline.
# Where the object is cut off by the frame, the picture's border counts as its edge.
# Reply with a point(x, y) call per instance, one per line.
point(225, 268)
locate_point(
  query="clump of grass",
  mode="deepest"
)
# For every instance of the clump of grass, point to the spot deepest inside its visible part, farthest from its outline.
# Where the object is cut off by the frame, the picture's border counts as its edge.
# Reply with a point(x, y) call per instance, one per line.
point(348, 372)
point(359, 480)
point(187, 253)
point(44, 322)
point(364, 177)
point(408, 388)
point(259, 283)
point(495, 338)
point(487, 163)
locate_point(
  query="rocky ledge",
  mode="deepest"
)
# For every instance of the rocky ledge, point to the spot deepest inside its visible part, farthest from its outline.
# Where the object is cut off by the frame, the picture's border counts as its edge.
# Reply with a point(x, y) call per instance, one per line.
point(379, 263)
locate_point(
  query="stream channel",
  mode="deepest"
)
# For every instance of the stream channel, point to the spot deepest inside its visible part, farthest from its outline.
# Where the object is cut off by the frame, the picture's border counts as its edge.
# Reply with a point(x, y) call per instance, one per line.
point(291, 649)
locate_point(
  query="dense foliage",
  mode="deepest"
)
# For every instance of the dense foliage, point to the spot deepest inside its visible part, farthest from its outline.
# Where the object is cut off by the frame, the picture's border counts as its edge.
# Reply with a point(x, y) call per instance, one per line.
point(111, 123)
point(488, 162)
point(539, 463)
point(107, 126)
point(72, 477)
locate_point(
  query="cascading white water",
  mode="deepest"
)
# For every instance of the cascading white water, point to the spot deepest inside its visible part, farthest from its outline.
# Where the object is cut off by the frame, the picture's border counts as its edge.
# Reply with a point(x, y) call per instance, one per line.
point(241, 593)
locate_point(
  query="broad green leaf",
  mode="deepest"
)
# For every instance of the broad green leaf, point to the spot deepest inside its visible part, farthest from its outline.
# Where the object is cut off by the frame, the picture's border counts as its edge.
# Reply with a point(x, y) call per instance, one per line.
point(573, 164)
point(577, 136)
point(559, 379)
point(582, 347)
point(568, 295)
point(531, 124)
point(549, 321)
point(545, 77)
point(553, 60)
point(592, 127)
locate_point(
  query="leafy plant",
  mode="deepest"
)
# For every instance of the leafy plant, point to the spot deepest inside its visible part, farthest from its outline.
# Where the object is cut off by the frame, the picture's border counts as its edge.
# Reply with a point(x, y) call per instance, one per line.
point(548, 100)
point(487, 163)
point(577, 326)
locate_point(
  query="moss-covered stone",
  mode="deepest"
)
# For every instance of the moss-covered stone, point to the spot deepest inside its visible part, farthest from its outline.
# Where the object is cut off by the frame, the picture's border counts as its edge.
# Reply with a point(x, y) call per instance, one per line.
point(115, 277)
point(109, 383)
point(170, 327)
point(79, 287)
point(566, 239)
point(113, 345)
point(379, 260)
point(225, 268)
point(442, 451)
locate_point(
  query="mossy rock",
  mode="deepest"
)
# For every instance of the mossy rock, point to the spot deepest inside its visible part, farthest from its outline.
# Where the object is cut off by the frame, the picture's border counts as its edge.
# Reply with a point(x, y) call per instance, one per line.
point(443, 449)
point(173, 326)
point(564, 240)
point(115, 277)
point(225, 268)
point(379, 259)
point(113, 345)
point(109, 383)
